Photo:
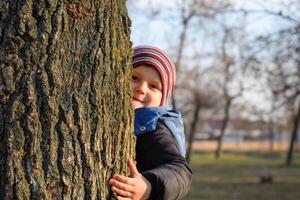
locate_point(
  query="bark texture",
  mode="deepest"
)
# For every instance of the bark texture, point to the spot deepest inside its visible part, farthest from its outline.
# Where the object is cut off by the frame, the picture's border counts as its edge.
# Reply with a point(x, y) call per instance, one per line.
point(65, 113)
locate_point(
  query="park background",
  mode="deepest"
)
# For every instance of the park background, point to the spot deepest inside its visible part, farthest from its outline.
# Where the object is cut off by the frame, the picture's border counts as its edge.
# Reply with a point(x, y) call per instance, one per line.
point(238, 87)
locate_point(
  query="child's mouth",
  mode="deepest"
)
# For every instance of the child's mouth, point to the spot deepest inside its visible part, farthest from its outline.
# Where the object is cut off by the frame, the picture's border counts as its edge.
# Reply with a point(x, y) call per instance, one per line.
point(137, 103)
point(136, 99)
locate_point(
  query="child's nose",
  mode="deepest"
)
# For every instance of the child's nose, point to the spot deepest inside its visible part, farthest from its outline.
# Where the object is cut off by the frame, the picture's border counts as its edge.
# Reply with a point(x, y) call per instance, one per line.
point(142, 87)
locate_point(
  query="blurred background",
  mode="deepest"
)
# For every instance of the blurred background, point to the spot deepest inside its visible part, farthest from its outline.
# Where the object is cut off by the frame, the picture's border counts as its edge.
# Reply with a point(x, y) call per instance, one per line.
point(238, 87)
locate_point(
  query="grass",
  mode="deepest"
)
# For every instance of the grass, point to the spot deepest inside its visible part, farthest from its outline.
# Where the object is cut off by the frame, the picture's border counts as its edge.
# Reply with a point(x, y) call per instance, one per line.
point(237, 176)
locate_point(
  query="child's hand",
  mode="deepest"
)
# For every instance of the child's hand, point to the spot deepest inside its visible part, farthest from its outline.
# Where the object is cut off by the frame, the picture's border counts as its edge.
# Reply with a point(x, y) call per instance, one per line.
point(135, 187)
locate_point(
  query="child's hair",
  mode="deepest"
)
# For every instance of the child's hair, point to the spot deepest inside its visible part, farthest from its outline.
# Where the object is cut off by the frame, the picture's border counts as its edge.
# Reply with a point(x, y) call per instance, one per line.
point(153, 56)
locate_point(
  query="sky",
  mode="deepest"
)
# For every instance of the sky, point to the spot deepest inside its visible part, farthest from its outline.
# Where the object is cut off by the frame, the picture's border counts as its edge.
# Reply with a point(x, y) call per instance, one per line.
point(150, 27)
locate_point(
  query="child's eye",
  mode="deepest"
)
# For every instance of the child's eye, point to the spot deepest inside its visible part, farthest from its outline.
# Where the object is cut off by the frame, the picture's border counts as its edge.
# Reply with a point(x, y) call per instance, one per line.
point(153, 86)
point(134, 78)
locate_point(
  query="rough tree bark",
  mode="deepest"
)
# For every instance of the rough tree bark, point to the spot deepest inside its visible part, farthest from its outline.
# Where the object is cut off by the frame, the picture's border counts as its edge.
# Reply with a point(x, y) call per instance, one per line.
point(65, 113)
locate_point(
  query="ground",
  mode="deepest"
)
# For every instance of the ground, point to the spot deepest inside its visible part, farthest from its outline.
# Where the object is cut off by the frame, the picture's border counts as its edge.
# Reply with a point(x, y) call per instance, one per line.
point(237, 176)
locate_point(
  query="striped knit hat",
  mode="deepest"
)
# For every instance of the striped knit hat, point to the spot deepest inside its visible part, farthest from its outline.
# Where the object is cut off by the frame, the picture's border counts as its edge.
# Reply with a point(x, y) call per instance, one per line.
point(149, 55)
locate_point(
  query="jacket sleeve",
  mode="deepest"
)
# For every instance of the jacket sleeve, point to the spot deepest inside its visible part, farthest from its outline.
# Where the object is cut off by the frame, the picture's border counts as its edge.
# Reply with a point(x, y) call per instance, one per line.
point(163, 166)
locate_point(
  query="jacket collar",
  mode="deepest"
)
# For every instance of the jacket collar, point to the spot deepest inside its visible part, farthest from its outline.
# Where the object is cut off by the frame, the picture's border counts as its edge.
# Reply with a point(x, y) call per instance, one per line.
point(145, 121)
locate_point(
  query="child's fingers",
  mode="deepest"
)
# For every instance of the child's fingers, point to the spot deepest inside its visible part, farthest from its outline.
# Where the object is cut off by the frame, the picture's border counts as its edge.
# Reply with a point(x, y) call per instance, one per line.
point(123, 198)
point(132, 167)
point(121, 192)
point(121, 186)
point(123, 179)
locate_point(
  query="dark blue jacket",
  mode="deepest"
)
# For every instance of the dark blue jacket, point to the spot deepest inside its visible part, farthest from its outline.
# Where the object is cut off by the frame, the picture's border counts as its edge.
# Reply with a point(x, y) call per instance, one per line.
point(160, 152)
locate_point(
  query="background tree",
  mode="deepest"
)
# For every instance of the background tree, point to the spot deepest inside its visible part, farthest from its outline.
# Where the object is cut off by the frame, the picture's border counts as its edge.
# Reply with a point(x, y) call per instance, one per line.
point(65, 101)
point(189, 12)
point(198, 96)
point(277, 55)
point(229, 68)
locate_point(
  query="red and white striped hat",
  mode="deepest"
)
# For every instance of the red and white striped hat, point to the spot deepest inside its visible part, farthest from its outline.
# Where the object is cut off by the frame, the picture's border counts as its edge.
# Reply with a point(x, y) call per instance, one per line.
point(149, 55)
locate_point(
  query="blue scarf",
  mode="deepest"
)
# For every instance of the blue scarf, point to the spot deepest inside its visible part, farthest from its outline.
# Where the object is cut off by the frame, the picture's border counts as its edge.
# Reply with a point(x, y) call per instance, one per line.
point(146, 119)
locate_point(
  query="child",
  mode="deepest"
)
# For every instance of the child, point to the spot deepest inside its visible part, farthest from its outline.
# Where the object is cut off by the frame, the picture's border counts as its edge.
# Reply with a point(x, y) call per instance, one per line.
point(161, 172)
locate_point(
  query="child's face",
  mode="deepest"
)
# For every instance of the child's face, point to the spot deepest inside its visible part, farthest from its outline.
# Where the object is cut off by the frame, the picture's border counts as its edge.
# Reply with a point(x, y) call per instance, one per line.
point(146, 87)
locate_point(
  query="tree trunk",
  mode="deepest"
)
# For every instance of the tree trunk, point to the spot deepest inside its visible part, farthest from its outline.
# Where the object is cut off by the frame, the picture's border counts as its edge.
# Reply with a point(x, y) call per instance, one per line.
point(65, 114)
point(293, 138)
point(271, 135)
point(223, 129)
point(192, 132)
